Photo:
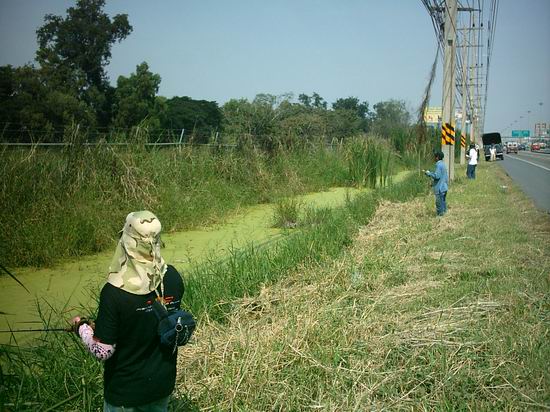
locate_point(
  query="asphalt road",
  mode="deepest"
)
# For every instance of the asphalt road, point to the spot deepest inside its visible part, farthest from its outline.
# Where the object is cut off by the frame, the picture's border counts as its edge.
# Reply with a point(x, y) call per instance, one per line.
point(531, 172)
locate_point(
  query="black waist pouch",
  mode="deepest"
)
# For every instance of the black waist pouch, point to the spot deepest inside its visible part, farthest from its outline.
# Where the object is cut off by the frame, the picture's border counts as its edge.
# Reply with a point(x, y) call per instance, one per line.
point(175, 327)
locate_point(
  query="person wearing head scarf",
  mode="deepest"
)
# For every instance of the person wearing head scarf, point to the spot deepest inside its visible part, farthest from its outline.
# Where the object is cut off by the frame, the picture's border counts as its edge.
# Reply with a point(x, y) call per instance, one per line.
point(440, 184)
point(139, 372)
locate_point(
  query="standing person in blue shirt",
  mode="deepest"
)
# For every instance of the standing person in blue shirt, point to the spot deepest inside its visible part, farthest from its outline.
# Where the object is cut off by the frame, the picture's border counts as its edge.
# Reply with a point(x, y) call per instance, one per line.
point(440, 183)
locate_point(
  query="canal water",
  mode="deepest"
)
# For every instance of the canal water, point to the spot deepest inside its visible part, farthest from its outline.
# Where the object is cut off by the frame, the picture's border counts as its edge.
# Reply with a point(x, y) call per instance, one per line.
point(62, 291)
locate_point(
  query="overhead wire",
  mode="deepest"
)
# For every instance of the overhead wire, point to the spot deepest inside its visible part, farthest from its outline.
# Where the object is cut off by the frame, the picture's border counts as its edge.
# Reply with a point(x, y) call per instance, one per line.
point(476, 104)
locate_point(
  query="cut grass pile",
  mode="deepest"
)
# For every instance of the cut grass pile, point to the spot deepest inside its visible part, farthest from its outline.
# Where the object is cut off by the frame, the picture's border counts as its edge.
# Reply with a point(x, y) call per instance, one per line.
point(419, 313)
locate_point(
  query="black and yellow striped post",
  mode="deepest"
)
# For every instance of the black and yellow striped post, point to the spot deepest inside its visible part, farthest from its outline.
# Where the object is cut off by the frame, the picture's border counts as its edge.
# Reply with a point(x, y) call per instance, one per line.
point(448, 147)
point(447, 134)
point(463, 141)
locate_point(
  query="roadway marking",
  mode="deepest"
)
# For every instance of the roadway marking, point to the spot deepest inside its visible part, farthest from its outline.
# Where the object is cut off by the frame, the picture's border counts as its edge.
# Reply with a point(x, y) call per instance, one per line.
point(536, 154)
point(526, 161)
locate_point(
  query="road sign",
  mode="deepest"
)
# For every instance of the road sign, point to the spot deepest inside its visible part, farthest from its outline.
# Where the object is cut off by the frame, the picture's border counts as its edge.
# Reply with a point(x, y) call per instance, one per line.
point(521, 133)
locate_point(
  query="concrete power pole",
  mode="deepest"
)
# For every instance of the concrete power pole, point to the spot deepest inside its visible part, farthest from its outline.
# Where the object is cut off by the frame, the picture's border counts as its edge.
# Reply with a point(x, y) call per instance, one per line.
point(474, 79)
point(448, 111)
point(463, 125)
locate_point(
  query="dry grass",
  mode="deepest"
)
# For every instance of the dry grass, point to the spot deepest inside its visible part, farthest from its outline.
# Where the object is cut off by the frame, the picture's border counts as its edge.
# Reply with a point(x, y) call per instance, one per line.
point(421, 313)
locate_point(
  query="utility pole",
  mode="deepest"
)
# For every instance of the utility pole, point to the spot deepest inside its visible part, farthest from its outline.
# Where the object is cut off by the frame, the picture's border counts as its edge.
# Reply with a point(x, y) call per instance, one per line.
point(463, 125)
point(448, 112)
point(473, 100)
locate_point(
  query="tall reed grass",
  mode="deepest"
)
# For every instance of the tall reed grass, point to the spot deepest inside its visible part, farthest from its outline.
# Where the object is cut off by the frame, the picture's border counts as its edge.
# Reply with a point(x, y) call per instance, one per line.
point(287, 213)
point(61, 203)
point(370, 162)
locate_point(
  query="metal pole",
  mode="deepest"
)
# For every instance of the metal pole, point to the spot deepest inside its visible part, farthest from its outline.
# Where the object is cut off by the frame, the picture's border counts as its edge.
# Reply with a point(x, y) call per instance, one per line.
point(448, 120)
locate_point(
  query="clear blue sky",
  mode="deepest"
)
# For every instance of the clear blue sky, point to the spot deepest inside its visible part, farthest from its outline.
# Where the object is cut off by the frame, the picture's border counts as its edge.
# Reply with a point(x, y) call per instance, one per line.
point(374, 50)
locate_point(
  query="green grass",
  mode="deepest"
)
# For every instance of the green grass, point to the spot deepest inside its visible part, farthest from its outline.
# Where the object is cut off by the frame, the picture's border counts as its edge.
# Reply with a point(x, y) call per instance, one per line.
point(287, 213)
point(370, 162)
point(323, 234)
point(61, 204)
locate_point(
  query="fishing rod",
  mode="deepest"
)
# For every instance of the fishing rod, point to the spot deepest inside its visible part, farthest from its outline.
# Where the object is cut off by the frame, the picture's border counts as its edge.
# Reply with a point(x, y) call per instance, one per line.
point(37, 330)
point(13, 277)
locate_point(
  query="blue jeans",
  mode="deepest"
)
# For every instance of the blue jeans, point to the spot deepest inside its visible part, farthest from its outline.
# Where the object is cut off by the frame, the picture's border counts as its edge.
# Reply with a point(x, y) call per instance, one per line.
point(471, 172)
point(441, 203)
point(157, 406)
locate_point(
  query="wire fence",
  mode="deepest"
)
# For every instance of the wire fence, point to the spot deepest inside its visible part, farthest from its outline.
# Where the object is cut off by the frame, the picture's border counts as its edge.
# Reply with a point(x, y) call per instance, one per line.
point(24, 135)
point(27, 137)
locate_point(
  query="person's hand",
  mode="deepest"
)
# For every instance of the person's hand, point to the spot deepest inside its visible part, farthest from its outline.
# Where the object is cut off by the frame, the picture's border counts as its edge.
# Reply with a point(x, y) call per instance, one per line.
point(78, 321)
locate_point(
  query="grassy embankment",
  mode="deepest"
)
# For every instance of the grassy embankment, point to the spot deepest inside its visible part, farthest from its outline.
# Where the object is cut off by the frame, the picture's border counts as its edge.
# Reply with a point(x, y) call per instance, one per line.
point(418, 313)
point(411, 312)
point(31, 375)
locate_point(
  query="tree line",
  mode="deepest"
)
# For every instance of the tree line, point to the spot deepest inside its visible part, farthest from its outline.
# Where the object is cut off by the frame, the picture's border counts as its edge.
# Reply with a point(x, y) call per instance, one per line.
point(69, 85)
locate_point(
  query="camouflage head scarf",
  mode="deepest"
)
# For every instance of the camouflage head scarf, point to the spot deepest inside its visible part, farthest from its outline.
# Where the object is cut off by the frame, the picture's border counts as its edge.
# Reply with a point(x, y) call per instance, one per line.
point(137, 266)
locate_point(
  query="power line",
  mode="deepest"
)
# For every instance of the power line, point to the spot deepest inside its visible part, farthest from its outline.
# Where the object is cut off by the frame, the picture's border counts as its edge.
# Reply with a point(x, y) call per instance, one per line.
point(481, 63)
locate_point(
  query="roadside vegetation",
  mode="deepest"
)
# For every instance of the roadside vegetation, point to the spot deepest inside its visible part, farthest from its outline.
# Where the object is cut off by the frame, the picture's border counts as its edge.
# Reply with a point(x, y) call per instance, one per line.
point(29, 373)
point(64, 203)
point(375, 305)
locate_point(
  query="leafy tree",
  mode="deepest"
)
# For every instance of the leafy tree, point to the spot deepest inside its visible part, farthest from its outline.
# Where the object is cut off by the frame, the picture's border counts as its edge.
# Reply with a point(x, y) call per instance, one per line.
point(352, 104)
point(199, 118)
point(343, 124)
point(135, 99)
point(390, 115)
point(304, 99)
point(9, 110)
point(29, 109)
point(314, 101)
point(354, 108)
point(318, 102)
point(255, 121)
point(73, 51)
point(302, 128)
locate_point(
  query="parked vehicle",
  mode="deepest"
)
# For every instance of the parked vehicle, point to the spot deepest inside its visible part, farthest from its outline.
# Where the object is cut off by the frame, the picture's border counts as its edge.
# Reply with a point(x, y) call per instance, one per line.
point(535, 147)
point(490, 139)
point(512, 147)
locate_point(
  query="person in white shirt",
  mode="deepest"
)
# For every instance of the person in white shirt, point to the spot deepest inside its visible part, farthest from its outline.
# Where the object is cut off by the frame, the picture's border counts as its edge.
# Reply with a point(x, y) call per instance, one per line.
point(493, 153)
point(472, 162)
